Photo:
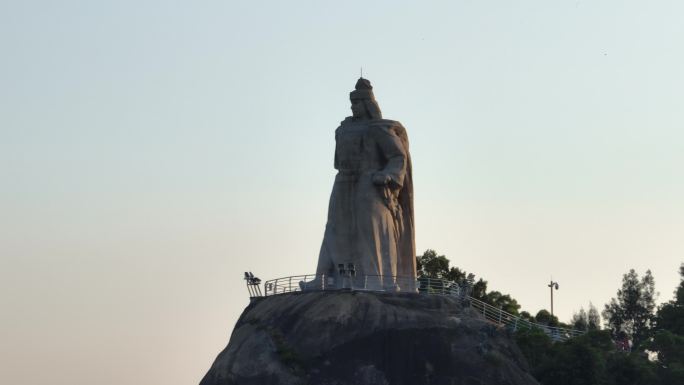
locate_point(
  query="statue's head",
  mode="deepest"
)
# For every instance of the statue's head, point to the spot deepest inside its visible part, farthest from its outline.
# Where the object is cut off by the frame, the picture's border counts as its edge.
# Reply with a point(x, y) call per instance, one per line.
point(363, 101)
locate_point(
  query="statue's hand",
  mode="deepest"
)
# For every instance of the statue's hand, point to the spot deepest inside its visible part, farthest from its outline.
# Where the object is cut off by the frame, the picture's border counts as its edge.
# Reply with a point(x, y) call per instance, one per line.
point(381, 179)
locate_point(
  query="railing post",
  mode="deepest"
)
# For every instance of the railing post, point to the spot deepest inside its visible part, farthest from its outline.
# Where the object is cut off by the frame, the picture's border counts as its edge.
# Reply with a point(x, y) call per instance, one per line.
point(500, 314)
point(365, 281)
point(323, 278)
point(289, 284)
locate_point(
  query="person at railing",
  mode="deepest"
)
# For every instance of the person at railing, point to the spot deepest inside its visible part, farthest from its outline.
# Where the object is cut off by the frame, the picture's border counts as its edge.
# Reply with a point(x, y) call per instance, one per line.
point(370, 215)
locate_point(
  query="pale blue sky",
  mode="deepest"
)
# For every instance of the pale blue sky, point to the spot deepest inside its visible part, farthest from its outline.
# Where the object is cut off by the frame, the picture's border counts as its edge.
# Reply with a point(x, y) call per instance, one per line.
point(152, 151)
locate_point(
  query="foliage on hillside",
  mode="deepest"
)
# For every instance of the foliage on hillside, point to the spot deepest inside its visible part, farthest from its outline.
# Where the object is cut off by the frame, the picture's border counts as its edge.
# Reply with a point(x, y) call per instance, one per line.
point(656, 355)
point(431, 265)
point(641, 345)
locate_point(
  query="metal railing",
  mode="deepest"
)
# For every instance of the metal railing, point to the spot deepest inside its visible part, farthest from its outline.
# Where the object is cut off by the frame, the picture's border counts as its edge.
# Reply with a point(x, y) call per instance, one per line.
point(514, 322)
point(421, 285)
point(363, 283)
point(295, 283)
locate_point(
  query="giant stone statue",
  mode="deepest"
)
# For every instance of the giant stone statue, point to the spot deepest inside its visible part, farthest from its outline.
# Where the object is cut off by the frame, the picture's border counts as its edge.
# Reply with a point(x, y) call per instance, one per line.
point(370, 216)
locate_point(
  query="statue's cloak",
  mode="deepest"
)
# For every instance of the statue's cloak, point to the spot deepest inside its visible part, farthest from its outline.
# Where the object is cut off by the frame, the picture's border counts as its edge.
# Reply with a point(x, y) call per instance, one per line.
point(406, 264)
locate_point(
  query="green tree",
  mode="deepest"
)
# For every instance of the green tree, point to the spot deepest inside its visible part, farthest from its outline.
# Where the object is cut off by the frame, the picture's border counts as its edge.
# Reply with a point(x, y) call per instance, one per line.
point(433, 265)
point(593, 318)
point(573, 363)
point(580, 320)
point(480, 290)
point(502, 301)
point(527, 316)
point(670, 349)
point(577, 361)
point(631, 369)
point(585, 360)
point(535, 346)
point(631, 311)
point(586, 320)
point(671, 315)
point(545, 318)
point(668, 340)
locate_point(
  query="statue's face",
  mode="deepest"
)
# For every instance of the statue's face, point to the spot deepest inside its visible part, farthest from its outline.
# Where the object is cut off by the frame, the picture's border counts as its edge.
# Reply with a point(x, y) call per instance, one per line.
point(358, 108)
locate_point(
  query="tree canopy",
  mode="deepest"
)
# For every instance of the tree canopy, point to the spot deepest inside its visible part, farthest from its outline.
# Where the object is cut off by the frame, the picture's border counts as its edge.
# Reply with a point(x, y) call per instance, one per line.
point(586, 320)
point(432, 265)
point(594, 358)
point(671, 315)
point(632, 311)
point(668, 336)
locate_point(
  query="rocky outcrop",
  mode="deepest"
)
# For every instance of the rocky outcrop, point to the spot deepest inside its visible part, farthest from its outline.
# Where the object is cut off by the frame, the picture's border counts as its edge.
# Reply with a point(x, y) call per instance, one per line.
point(359, 338)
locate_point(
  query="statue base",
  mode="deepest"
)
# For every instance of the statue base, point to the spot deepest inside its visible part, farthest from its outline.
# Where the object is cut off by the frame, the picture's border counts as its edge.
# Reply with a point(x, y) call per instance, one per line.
point(359, 338)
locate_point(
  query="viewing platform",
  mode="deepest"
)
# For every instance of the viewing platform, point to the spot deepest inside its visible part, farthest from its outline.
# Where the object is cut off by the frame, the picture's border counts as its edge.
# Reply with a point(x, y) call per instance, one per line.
point(399, 286)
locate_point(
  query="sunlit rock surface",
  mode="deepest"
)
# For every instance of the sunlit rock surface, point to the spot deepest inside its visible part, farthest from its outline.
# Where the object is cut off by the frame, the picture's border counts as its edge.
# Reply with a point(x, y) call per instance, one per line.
point(359, 338)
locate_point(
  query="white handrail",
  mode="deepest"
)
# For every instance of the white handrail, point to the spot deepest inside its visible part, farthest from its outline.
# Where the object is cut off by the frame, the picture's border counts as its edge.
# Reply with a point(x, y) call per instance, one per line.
point(498, 316)
point(421, 285)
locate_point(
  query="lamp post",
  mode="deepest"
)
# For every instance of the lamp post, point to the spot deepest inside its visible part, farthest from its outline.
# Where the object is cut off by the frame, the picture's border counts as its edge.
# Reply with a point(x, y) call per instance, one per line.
point(551, 286)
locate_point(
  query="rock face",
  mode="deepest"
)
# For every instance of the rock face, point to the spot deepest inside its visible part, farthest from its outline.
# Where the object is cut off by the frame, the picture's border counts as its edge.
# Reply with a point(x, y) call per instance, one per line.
point(359, 338)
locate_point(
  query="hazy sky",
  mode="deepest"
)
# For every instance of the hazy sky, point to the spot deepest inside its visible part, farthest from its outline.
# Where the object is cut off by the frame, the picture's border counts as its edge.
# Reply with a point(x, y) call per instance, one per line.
point(152, 151)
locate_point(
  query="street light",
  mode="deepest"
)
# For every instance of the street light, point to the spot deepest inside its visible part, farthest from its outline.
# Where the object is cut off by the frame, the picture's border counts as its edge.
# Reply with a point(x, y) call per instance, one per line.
point(552, 285)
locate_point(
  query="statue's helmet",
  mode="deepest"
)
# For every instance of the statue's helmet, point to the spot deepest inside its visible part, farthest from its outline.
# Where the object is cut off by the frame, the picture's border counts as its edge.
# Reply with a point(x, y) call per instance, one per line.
point(364, 91)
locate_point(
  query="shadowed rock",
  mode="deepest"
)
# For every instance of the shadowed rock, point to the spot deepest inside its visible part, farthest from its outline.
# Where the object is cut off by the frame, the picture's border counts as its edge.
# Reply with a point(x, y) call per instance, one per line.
point(359, 338)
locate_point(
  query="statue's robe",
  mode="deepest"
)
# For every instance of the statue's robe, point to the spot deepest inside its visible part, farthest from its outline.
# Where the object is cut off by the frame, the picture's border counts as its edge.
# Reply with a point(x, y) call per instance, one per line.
point(371, 226)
